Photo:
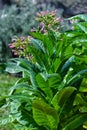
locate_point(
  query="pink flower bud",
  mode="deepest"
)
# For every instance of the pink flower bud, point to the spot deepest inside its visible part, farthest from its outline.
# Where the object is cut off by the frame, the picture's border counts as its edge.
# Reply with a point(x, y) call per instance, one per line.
point(57, 20)
point(41, 24)
point(49, 25)
point(44, 12)
point(11, 46)
point(37, 14)
point(22, 38)
point(44, 31)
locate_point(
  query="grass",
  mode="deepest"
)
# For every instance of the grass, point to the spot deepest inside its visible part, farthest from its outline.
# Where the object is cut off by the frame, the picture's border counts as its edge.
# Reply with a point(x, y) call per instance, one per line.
point(6, 82)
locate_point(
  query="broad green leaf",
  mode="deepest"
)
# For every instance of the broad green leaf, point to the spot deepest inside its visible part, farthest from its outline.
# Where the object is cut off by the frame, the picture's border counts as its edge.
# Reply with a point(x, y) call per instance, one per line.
point(80, 101)
point(33, 79)
point(41, 59)
point(28, 65)
point(67, 64)
point(45, 115)
point(68, 51)
point(82, 27)
point(44, 86)
point(78, 76)
point(48, 76)
point(56, 64)
point(38, 45)
point(13, 68)
point(80, 17)
point(66, 78)
point(19, 83)
point(37, 55)
point(46, 41)
point(21, 98)
point(81, 40)
point(78, 121)
point(62, 96)
point(54, 81)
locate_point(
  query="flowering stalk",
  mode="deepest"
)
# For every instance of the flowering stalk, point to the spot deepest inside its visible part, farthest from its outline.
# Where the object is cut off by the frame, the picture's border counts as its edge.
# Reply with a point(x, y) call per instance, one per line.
point(19, 46)
point(48, 21)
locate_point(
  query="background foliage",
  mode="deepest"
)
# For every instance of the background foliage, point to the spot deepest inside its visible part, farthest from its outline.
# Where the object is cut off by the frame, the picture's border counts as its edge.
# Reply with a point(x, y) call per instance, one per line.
point(14, 20)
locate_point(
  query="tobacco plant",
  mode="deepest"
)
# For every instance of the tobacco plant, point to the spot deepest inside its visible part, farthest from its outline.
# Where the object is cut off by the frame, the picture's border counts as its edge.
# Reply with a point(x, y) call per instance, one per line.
point(51, 94)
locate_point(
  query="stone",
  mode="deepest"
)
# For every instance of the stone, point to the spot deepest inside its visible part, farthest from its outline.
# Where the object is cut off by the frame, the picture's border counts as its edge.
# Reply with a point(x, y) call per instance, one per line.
point(76, 8)
point(68, 3)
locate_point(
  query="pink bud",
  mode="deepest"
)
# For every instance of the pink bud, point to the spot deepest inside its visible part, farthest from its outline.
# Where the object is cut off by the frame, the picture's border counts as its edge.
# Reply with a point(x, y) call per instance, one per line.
point(41, 24)
point(38, 14)
point(44, 31)
point(11, 46)
point(43, 13)
point(49, 25)
point(22, 38)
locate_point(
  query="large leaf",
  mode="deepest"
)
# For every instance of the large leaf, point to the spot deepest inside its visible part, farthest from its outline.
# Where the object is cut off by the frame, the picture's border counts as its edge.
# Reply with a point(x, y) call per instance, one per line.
point(80, 17)
point(62, 96)
point(45, 115)
point(33, 79)
point(82, 27)
point(67, 64)
point(42, 59)
point(55, 64)
point(76, 122)
point(81, 74)
point(44, 86)
point(49, 47)
point(80, 101)
point(66, 78)
point(13, 68)
point(38, 45)
point(54, 82)
point(27, 64)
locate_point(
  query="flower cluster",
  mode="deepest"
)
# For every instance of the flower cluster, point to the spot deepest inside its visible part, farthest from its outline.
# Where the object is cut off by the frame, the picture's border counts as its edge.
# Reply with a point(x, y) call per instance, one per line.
point(48, 20)
point(19, 46)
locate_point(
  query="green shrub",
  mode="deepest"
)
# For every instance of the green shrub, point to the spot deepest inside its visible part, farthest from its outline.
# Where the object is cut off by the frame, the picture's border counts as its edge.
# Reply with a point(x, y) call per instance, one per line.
point(51, 93)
